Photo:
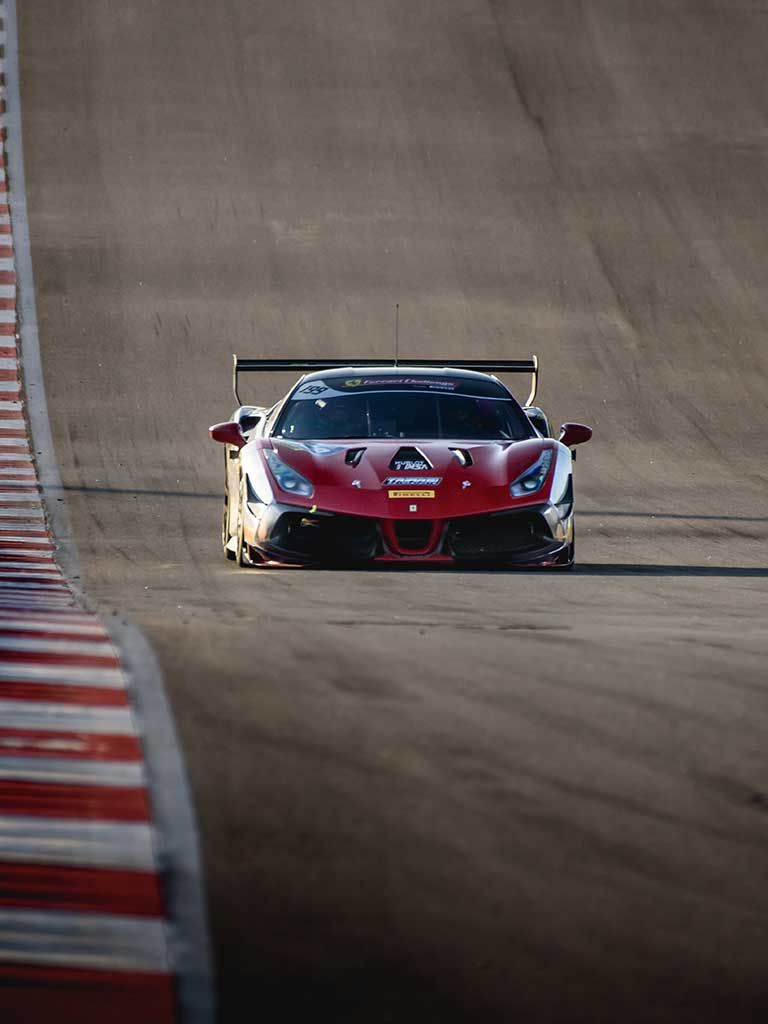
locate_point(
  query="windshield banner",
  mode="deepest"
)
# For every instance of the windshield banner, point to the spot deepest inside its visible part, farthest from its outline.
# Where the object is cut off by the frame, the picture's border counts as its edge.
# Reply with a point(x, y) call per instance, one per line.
point(338, 387)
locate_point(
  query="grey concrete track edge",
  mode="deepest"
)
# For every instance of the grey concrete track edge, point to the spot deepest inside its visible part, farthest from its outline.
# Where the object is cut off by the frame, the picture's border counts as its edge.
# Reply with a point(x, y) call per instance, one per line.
point(171, 800)
point(32, 369)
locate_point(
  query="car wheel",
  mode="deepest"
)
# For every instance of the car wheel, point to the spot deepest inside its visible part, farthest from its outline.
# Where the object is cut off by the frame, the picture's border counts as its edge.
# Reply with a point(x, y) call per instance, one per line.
point(568, 558)
point(225, 538)
point(242, 556)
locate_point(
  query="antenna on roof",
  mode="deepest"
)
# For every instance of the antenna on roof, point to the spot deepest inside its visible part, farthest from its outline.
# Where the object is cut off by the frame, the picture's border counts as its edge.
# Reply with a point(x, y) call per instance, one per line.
point(397, 329)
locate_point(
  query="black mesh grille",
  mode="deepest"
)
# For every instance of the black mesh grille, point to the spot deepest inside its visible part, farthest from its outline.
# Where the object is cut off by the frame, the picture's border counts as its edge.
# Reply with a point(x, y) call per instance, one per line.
point(326, 538)
point(499, 536)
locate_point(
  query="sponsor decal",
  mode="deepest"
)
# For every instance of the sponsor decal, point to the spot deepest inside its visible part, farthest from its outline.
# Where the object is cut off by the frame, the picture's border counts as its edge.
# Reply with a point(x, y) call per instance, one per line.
point(426, 383)
point(411, 494)
point(410, 460)
point(412, 481)
point(335, 387)
point(414, 465)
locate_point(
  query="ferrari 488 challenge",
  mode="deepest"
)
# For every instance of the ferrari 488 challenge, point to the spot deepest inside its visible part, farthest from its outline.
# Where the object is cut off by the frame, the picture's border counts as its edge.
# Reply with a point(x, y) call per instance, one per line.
point(374, 463)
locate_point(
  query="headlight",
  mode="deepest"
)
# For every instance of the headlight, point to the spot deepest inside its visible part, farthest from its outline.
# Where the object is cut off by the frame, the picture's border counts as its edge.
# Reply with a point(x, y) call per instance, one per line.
point(257, 493)
point(287, 478)
point(533, 478)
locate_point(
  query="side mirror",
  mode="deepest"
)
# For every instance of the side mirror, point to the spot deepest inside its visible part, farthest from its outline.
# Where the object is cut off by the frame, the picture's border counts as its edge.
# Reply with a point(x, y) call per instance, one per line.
point(574, 433)
point(538, 419)
point(247, 423)
point(227, 433)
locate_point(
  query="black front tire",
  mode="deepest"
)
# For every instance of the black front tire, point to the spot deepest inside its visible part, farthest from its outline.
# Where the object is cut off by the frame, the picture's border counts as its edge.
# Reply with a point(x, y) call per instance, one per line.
point(569, 556)
point(243, 555)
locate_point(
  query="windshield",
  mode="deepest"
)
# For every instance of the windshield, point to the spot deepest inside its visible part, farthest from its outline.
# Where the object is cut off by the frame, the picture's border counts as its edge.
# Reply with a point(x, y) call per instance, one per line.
point(363, 409)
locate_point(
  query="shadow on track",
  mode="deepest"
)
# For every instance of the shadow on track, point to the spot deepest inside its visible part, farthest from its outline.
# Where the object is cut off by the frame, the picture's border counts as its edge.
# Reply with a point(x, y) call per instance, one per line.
point(120, 492)
point(641, 569)
point(684, 516)
point(582, 569)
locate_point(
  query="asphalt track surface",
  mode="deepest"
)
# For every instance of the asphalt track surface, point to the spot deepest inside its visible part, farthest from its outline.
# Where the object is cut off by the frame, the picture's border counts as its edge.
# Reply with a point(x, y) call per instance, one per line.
point(435, 796)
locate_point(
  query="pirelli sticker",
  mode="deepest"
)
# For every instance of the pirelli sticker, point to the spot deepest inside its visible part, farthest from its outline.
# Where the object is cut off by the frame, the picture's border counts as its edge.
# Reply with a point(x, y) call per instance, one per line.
point(411, 494)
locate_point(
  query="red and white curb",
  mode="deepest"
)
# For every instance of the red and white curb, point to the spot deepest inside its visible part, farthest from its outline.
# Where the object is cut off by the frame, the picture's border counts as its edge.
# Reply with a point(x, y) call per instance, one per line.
point(83, 928)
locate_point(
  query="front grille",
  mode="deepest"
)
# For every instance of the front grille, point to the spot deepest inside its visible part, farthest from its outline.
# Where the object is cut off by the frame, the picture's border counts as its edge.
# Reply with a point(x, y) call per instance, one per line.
point(325, 537)
point(508, 535)
point(413, 534)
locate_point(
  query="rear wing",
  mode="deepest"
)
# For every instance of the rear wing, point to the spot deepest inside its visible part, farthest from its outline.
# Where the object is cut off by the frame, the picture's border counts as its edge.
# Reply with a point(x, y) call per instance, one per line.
point(311, 365)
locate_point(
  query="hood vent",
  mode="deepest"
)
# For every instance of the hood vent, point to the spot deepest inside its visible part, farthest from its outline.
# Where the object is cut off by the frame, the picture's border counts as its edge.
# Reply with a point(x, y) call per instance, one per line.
point(410, 460)
point(463, 456)
point(353, 456)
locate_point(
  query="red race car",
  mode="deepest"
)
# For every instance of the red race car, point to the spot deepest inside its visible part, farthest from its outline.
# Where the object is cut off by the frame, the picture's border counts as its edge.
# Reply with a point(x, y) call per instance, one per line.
point(386, 463)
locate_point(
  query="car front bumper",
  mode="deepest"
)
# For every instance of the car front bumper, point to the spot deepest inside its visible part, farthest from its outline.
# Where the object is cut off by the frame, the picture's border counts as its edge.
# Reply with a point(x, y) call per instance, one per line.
point(534, 535)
